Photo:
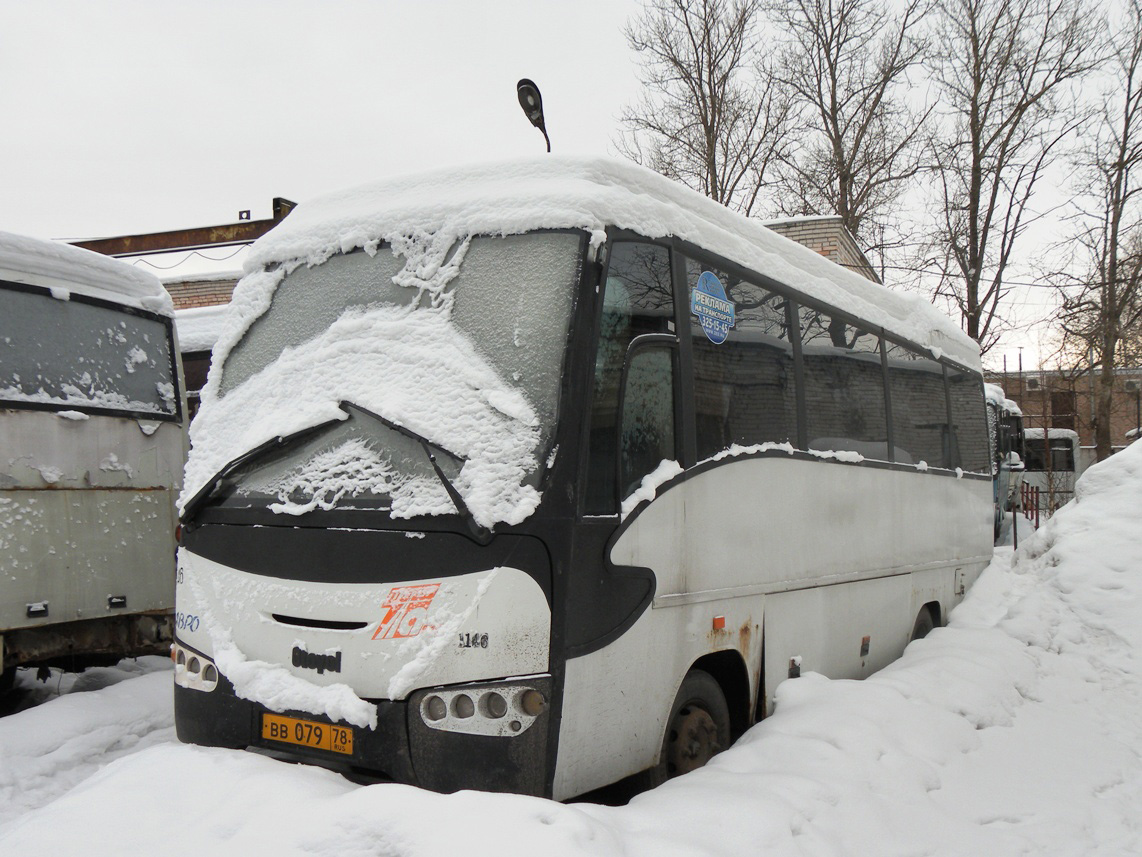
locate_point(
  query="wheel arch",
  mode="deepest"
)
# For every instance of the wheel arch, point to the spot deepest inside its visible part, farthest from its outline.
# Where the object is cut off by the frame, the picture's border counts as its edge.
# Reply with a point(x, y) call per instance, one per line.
point(728, 669)
point(937, 612)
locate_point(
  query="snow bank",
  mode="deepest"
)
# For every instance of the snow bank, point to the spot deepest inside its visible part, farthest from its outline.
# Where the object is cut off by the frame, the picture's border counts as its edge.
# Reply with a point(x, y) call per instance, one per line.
point(45, 751)
point(1012, 731)
point(61, 266)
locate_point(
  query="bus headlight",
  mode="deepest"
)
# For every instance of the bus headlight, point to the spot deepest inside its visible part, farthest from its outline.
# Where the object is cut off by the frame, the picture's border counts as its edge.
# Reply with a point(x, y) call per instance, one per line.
point(504, 709)
point(193, 670)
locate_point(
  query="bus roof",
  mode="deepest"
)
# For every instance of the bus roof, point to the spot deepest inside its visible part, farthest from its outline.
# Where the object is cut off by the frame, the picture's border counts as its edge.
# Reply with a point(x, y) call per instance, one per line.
point(61, 267)
point(199, 327)
point(996, 394)
point(1052, 433)
point(591, 193)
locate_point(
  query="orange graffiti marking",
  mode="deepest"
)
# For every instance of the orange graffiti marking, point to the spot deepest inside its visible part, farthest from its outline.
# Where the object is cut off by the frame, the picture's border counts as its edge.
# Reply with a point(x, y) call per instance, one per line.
point(407, 611)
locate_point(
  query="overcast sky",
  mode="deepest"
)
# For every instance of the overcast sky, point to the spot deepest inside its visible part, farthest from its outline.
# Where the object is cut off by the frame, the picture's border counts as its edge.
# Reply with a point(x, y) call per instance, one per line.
point(124, 116)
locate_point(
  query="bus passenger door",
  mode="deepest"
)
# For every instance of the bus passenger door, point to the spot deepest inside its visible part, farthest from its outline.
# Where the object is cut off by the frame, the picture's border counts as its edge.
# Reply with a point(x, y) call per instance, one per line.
point(647, 436)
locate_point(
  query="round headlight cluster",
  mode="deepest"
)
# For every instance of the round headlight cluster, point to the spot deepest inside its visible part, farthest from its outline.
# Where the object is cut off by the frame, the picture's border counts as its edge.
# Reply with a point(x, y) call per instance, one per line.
point(483, 711)
point(192, 670)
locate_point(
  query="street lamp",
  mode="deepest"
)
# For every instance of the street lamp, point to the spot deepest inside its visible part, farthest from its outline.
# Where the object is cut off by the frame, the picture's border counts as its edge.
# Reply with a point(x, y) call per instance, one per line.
point(532, 104)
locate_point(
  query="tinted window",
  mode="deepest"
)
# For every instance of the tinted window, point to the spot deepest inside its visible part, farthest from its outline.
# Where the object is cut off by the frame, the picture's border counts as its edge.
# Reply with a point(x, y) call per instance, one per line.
point(744, 386)
point(75, 354)
point(919, 407)
point(637, 299)
point(969, 421)
point(844, 386)
point(1062, 455)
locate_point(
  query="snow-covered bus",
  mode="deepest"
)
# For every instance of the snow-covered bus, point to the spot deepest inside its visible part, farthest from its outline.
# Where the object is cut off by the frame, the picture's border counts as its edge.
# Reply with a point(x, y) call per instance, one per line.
point(92, 445)
point(541, 475)
point(1005, 430)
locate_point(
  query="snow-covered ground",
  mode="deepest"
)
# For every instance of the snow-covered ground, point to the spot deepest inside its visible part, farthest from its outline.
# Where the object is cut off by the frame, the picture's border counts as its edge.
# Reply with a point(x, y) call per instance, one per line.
point(1015, 730)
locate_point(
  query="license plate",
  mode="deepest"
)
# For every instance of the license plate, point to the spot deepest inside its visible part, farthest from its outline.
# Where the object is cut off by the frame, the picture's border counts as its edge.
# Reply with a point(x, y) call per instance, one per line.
point(305, 733)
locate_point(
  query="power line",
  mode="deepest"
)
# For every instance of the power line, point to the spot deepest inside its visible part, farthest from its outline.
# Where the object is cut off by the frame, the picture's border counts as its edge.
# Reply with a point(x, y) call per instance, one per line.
point(187, 258)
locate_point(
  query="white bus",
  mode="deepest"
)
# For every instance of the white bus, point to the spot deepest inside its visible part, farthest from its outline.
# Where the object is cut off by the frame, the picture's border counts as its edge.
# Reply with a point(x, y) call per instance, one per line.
point(540, 475)
point(1052, 474)
point(1005, 431)
point(92, 445)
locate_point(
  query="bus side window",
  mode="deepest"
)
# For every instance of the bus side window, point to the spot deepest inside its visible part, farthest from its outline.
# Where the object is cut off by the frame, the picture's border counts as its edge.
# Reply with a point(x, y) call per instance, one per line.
point(648, 415)
point(744, 387)
point(970, 420)
point(919, 407)
point(844, 386)
point(638, 298)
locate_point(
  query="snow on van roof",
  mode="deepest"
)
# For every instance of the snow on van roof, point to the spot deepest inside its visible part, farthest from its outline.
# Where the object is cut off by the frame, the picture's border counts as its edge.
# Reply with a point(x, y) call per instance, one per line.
point(1053, 433)
point(57, 266)
point(199, 327)
point(591, 193)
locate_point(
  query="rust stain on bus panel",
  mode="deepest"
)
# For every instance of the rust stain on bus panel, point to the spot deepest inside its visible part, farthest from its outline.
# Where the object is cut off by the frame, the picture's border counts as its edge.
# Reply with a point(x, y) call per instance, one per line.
point(724, 638)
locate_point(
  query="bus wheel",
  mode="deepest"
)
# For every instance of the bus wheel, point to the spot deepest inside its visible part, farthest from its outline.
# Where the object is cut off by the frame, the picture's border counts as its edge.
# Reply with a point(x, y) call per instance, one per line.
point(923, 626)
point(699, 725)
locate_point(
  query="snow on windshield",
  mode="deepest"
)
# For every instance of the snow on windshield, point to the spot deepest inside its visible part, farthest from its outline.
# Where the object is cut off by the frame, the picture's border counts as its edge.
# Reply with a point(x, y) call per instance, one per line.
point(72, 352)
point(459, 340)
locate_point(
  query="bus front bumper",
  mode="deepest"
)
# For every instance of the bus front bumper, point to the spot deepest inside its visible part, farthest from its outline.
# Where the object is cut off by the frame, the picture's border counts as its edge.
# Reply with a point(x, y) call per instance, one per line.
point(402, 748)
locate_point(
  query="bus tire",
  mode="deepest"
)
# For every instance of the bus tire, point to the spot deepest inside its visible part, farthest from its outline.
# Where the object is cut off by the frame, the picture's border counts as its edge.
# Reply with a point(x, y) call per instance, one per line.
point(923, 626)
point(698, 729)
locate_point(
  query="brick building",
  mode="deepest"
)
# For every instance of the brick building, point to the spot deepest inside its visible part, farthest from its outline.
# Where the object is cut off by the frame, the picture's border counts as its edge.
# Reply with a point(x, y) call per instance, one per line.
point(1058, 399)
point(826, 235)
point(201, 291)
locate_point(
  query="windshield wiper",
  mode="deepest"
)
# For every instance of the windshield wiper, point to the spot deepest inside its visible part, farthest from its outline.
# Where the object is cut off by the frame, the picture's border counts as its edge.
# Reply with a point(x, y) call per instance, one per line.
point(481, 534)
point(219, 479)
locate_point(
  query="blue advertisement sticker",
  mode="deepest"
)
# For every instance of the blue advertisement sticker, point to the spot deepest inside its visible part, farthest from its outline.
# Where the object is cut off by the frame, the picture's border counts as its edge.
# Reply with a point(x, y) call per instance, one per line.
point(715, 312)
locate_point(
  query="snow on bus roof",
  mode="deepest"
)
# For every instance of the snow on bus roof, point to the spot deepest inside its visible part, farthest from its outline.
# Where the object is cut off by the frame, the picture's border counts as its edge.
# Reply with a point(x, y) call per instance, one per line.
point(1053, 433)
point(591, 193)
point(66, 269)
point(199, 327)
point(996, 394)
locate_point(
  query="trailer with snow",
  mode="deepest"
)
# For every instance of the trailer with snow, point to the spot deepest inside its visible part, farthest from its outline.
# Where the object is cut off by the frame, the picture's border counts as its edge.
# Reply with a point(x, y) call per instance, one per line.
point(540, 475)
point(92, 443)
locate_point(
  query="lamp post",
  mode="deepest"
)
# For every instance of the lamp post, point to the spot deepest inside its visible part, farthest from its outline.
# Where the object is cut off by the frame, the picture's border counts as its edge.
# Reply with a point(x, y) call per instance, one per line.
point(532, 104)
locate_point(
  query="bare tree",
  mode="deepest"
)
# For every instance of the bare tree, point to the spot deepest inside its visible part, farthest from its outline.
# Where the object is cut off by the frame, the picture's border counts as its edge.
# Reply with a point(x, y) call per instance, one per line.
point(1102, 315)
point(711, 117)
point(847, 63)
point(1004, 70)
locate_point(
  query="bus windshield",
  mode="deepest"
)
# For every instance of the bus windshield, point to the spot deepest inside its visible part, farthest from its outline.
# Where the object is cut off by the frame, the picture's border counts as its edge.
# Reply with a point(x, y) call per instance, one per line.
point(68, 351)
point(458, 343)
